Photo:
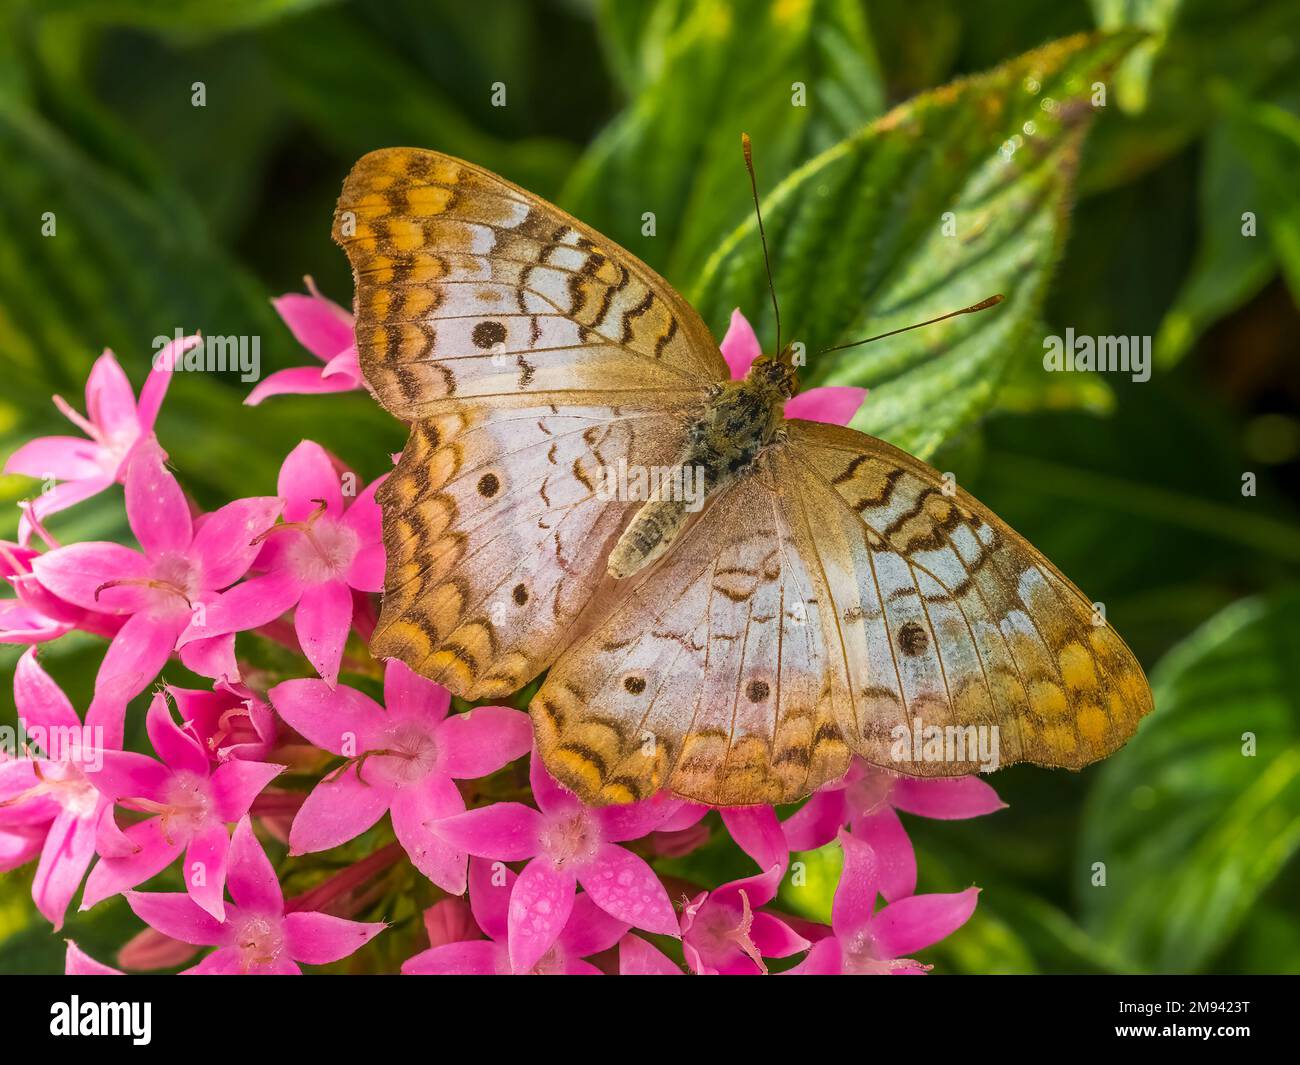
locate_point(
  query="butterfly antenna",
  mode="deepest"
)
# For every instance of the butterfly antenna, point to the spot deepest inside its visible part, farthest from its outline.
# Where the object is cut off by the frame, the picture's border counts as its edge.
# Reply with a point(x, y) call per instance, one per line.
point(762, 233)
point(983, 305)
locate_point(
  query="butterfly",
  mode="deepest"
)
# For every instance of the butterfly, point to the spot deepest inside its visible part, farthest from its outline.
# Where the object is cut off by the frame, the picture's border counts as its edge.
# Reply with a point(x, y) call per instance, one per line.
point(831, 597)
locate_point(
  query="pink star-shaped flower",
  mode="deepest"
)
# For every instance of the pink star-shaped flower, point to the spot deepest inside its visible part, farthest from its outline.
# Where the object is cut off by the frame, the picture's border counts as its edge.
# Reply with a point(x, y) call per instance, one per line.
point(52, 796)
point(588, 930)
point(114, 422)
point(192, 803)
point(830, 403)
point(254, 935)
point(724, 933)
point(567, 844)
point(866, 941)
point(323, 328)
point(866, 798)
point(403, 757)
point(183, 566)
point(322, 550)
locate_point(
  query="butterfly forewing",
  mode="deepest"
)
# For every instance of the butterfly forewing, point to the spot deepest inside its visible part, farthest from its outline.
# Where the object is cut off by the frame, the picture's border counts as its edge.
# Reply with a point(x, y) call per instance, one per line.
point(949, 618)
point(469, 288)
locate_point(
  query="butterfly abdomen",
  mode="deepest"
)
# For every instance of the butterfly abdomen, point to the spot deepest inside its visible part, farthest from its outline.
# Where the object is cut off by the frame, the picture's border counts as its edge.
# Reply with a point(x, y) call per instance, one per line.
point(739, 421)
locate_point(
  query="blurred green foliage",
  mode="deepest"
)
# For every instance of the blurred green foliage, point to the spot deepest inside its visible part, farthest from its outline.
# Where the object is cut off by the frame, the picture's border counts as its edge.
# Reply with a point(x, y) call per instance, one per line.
point(176, 216)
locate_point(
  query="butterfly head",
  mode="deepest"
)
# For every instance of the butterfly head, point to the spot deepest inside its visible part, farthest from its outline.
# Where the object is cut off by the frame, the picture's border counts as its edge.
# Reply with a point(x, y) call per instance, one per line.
point(774, 375)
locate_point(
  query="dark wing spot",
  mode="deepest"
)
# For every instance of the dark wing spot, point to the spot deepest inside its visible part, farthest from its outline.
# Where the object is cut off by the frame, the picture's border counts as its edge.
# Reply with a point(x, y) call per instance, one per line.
point(757, 691)
point(912, 638)
point(634, 685)
point(488, 334)
point(520, 594)
point(488, 485)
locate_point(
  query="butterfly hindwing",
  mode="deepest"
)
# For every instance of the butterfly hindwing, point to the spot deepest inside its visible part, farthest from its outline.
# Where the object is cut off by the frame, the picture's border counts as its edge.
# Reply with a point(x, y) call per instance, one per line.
point(496, 528)
point(471, 288)
point(709, 677)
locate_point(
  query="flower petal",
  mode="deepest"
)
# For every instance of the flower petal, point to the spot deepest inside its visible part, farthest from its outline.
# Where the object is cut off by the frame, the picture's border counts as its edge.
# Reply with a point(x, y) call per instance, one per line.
point(414, 809)
point(409, 696)
point(477, 957)
point(155, 385)
point(250, 875)
point(319, 938)
point(69, 847)
point(912, 924)
point(248, 605)
point(155, 505)
point(817, 822)
point(110, 402)
point(835, 404)
point(624, 886)
point(740, 347)
point(319, 325)
point(895, 860)
point(758, 833)
point(77, 572)
point(76, 962)
point(176, 747)
point(336, 811)
point(38, 700)
point(223, 545)
point(65, 458)
point(128, 775)
point(855, 895)
point(636, 819)
point(297, 381)
point(490, 884)
point(154, 852)
point(540, 904)
point(307, 476)
point(506, 830)
point(138, 651)
point(946, 799)
point(590, 929)
point(176, 915)
point(482, 741)
point(322, 621)
point(236, 783)
point(341, 720)
point(636, 957)
point(205, 869)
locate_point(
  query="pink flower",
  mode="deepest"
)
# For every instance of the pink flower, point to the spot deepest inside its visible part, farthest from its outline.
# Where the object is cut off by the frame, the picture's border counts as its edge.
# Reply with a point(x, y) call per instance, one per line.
point(723, 932)
point(184, 564)
point(76, 962)
point(323, 328)
point(254, 935)
point(636, 957)
point(866, 941)
point(830, 403)
point(866, 799)
point(588, 930)
point(313, 559)
point(114, 424)
point(404, 758)
point(35, 615)
point(53, 793)
point(567, 844)
point(192, 802)
point(229, 721)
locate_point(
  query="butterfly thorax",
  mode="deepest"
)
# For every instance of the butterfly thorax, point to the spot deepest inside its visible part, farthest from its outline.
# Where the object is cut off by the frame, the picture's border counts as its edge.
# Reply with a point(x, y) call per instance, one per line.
point(739, 420)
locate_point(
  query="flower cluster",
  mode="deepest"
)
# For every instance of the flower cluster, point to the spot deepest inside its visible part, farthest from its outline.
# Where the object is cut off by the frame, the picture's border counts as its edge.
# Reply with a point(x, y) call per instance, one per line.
point(514, 873)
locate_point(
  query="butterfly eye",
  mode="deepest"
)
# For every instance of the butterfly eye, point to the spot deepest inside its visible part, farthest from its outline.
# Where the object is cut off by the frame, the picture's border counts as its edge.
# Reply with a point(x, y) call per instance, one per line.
point(520, 594)
point(634, 685)
point(488, 485)
point(488, 335)
point(757, 691)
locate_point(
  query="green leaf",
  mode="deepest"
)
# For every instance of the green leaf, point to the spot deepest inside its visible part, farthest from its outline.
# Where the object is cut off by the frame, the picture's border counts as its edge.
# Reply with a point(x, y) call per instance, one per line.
point(339, 100)
point(959, 194)
point(1230, 266)
point(796, 76)
point(1268, 137)
point(181, 15)
point(1191, 828)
